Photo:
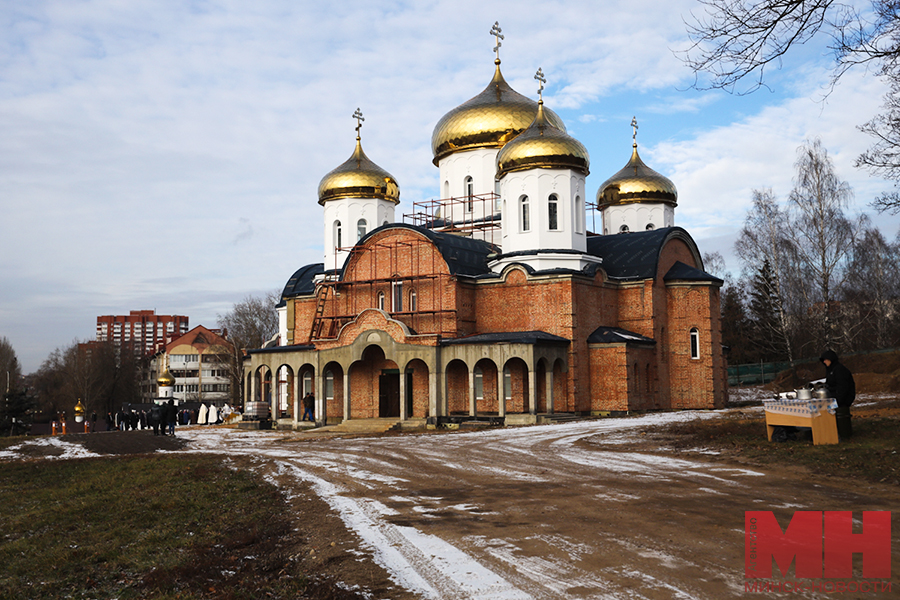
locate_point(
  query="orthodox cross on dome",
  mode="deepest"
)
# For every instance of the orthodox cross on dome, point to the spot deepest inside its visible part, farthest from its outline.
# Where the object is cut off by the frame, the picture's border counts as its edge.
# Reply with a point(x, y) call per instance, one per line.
point(359, 119)
point(540, 77)
point(495, 31)
point(634, 128)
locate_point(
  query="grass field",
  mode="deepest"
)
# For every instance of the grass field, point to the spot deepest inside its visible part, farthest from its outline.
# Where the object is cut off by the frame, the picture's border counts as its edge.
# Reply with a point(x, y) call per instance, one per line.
point(164, 526)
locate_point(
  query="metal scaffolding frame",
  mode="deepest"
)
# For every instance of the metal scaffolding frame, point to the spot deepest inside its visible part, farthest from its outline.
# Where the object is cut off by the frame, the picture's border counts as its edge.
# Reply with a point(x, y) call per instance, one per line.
point(457, 216)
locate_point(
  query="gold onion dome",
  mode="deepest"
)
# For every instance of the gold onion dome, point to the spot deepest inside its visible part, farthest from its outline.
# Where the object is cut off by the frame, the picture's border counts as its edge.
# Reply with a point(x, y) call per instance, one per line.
point(79, 409)
point(359, 177)
point(489, 120)
point(166, 379)
point(543, 145)
point(637, 182)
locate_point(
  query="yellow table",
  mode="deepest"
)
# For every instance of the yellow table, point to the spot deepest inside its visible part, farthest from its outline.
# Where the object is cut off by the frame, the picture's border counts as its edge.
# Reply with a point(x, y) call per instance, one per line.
point(817, 414)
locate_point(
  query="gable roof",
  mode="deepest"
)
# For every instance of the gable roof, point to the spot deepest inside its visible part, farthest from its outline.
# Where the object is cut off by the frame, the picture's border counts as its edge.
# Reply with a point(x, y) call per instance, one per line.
point(636, 255)
point(683, 272)
point(301, 282)
point(464, 256)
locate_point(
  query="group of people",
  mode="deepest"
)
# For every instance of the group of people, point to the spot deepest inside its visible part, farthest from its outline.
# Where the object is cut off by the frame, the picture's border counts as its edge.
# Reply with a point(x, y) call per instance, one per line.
point(163, 418)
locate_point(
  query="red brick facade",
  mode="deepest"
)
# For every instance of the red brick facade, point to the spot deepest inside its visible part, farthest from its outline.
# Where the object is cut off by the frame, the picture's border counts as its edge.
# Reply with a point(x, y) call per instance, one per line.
point(393, 328)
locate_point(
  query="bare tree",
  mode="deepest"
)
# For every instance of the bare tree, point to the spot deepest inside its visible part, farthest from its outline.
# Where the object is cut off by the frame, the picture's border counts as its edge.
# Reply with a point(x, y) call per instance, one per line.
point(737, 40)
point(765, 240)
point(250, 324)
point(871, 292)
point(10, 370)
point(823, 235)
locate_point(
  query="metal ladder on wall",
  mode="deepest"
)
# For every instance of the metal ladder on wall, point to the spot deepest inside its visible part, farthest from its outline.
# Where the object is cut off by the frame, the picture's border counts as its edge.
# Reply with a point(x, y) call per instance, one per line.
point(318, 322)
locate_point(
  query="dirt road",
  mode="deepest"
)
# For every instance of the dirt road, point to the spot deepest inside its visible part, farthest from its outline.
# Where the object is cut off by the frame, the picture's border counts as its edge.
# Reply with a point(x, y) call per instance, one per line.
point(555, 511)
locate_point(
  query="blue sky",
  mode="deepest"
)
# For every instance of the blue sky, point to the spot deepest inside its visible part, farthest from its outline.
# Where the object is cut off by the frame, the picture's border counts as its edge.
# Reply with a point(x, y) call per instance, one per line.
point(166, 155)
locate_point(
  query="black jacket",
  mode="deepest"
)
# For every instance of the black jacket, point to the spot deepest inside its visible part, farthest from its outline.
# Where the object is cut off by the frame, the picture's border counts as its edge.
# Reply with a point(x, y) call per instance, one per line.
point(839, 379)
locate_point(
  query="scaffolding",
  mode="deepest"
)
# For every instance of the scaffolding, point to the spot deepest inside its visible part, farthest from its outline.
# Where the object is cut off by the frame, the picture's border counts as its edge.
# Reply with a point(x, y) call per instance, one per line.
point(399, 281)
point(477, 216)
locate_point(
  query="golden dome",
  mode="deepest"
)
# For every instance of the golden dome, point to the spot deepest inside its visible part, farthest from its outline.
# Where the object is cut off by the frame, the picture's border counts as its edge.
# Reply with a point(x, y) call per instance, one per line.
point(489, 120)
point(359, 177)
point(542, 145)
point(79, 409)
point(636, 182)
point(166, 379)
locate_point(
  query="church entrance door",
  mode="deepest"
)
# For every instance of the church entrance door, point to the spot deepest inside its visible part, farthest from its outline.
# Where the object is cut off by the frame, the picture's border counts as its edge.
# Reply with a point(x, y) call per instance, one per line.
point(389, 393)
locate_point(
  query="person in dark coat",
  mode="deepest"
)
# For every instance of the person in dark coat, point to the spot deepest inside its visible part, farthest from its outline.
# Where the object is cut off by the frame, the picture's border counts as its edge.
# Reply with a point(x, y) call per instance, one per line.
point(842, 388)
point(171, 416)
point(155, 418)
point(308, 402)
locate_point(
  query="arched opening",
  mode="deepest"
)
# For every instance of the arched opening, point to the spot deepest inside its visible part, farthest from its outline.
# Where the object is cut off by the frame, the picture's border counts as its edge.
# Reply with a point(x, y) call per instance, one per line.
point(560, 387)
point(623, 229)
point(540, 387)
point(469, 192)
point(517, 383)
point(284, 386)
point(650, 226)
point(457, 376)
point(361, 229)
point(375, 385)
point(486, 392)
point(380, 300)
point(695, 343)
point(338, 242)
point(579, 215)
point(416, 391)
point(413, 301)
point(333, 392)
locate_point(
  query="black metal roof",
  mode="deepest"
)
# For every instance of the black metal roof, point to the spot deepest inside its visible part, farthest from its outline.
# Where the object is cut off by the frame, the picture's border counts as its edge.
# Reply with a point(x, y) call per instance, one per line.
point(617, 335)
point(681, 271)
point(635, 255)
point(509, 337)
point(301, 282)
point(463, 255)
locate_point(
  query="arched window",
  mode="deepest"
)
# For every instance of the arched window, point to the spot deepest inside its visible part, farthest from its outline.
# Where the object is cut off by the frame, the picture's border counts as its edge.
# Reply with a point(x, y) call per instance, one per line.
point(337, 235)
point(525, 221)
point(579, 215)
point(307, 383)
point(623, 229)
point(553, 212)
point(380, 300)
point(329, 385)
point(413, 301)
point(695, 343)
point(650, 226)
point(360, 229)
point(446, 189)
point(385, 222)
point(479, 384)
point(396, 296)
point(469, 192)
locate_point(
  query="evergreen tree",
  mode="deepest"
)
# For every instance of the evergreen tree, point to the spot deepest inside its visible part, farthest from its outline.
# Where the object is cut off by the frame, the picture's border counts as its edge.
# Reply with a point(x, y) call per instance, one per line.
point(16, 413)
point(765, 307)
point(736, 327)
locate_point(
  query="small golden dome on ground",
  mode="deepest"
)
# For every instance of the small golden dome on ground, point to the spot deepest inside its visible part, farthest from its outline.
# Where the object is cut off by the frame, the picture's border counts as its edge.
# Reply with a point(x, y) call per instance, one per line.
point(489, 120)
point(543, 145)
point(359, 177)
point(79, 408)
point(637, 182)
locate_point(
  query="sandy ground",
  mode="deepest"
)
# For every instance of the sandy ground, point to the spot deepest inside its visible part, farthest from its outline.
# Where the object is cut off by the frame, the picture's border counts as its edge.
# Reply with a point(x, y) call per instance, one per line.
point(557, 511)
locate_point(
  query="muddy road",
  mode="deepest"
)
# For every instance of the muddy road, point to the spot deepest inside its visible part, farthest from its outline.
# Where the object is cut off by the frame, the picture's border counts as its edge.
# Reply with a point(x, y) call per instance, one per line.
point(557, 511)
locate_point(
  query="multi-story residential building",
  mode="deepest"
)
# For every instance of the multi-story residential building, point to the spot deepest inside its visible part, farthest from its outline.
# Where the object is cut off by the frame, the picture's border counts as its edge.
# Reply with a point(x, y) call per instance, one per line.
point(145, 330)
point(199, 361)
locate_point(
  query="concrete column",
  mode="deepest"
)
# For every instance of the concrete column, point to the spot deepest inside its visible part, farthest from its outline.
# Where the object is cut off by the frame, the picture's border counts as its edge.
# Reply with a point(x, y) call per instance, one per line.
point(473, 408)
point(403, 415)
point(532, 397)
point(548, 379)
point(434, 393)
point(321, 402)
point(252, 391)
point(346, 394)
point(295, 391)
point(501, 393)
